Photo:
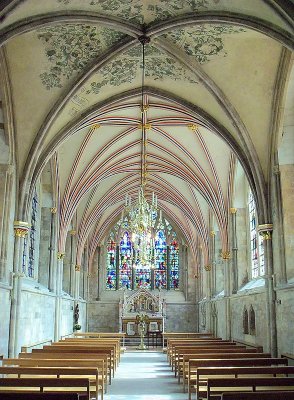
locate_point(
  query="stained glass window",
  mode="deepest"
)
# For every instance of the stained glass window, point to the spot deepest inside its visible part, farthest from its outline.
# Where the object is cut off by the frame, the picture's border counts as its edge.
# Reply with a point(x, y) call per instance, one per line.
point(123, 271)
point(33, 233)
point(160, 260)
point(111, 265)
point(125, 267)
point(256, 241)
point(174, 264)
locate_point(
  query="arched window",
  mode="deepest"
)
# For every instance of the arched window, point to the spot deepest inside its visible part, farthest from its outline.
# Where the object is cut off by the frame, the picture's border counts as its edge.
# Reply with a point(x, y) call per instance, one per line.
point(245, 322)
point(124, 272)
point(33, 236)
point(111, 265)
point(256, 241)
point(174, 263)
point(251, 321)
point(125, 266)
point(160, 260)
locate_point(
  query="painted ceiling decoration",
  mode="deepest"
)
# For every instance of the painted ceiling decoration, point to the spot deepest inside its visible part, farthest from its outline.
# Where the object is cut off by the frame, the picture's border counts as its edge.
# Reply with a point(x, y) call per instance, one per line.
point(135, 11)
point(77, 65)
point(69, 48)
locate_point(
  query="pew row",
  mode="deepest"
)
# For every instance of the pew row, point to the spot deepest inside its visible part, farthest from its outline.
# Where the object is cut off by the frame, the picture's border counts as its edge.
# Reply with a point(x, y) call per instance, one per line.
point(272, 395)
point(203, 374)
point(72, 372)
point(194, 364)
point(43, 384)
point(42, 396)
point(217, 386)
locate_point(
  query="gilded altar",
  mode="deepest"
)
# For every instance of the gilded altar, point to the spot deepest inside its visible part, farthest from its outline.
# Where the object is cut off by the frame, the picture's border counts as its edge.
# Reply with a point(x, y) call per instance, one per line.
point(141, 302)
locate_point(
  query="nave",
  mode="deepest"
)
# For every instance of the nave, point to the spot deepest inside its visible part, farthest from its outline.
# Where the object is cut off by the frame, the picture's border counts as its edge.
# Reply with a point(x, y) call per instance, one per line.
point(144, 375)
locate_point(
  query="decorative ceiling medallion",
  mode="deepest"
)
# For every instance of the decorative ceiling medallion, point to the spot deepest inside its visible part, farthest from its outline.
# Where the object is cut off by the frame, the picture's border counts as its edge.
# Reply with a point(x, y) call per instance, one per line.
point(143, 11)
point(203, 41)
point(126, 67)
point(69, 48)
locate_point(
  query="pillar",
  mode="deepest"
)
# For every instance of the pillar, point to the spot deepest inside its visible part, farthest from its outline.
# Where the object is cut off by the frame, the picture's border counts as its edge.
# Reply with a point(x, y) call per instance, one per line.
point(59, 278)
point(265, 231)
point(52, 246)
point(21, 229)
point(234, 264)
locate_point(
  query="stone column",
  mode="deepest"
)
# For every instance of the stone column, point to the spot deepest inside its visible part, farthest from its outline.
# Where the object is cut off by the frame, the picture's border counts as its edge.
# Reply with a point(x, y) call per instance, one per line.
point(72, 263)
point(21, 229)
point(234, 264)
point(117, 267)
point(59, 277)
point(212, 275)
point(77, 281)
point(52, 246)
point(101, 282)
point(265, 231)
point(226, 260)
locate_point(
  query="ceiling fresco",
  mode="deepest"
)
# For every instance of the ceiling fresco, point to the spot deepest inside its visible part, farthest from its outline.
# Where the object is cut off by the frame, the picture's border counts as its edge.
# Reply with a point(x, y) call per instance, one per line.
point(135, 11)
point(69, 48)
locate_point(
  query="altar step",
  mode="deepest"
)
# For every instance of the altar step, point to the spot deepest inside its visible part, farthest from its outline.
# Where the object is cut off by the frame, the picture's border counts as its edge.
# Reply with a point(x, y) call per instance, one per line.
point(135, 342)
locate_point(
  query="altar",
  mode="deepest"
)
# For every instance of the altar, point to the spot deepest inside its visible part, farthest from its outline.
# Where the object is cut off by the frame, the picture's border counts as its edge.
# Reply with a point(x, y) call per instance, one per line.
point(142, 302)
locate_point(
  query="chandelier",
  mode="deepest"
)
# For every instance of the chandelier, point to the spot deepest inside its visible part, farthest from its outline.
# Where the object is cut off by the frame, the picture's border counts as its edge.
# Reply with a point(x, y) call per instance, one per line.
point(139, 216)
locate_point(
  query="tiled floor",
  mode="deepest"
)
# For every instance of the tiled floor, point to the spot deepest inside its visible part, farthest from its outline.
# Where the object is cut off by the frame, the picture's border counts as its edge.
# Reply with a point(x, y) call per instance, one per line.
point(144, 375)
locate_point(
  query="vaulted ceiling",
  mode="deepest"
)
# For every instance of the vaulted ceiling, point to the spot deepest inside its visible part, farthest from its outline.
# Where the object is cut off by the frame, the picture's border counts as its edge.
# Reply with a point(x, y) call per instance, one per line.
point(211, 77)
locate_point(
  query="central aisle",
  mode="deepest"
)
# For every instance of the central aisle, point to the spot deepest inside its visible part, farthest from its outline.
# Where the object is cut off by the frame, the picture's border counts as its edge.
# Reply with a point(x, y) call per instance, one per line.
point(144, 375)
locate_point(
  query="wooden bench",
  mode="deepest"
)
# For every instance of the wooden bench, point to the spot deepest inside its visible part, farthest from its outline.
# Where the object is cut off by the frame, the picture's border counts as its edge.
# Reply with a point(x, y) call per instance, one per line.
point(42, 396)
point(80, 343)
point(92, 342)
point(194, 364)
point(73, 372)
point(101, 364)
point(180, 353)
point(182, 335)
point(203, 374)
point(96, 350)
point(58, 384)
point(192, 343)
point(73, 355)
point(113, 335)
point(272, 395)
point(217, 386)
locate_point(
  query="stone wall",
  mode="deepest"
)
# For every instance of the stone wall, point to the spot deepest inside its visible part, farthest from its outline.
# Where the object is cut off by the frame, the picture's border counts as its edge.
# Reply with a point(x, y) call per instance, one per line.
point(5, 319)
point(285, 320)
point(67, 316)
point(103, 316)
point(181, 317)
point(37, 316)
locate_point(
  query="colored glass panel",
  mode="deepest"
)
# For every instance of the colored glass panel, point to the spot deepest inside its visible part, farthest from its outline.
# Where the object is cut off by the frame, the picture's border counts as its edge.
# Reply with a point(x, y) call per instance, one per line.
point(174, 264)
point(160, 260)
point(125, 267)
point(111, 266)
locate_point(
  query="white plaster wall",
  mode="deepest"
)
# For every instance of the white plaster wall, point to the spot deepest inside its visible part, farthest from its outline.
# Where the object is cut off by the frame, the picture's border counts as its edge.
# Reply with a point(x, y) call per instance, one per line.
point(285, 320)
point(67, 316)
point(258, 302)
point(5, 319)
point(37, 315)
point(103, 316)
point(181, 317)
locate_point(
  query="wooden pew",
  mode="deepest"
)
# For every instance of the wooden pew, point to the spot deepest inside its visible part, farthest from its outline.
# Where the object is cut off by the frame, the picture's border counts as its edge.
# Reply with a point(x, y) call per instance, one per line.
point(113, 359)
point(203, 374)
point(73, 355)
point(115, 343)
point(183, 335)
point(272, 395)
point(90, 335)
point(181, 352)
point(42, 396)
point(101, 364)
point(194, 364)
point(44, 383)
point(220, 385)
point(192, 343)
point(72, 372)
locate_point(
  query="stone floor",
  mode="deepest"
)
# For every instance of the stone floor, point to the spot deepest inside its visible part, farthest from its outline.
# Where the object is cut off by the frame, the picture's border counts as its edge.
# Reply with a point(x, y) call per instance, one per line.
point(144, 375)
